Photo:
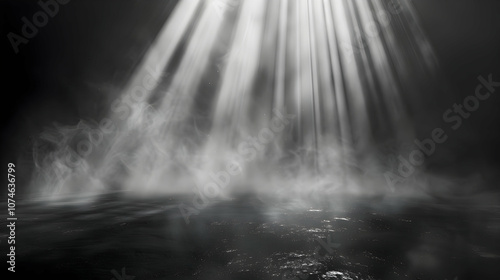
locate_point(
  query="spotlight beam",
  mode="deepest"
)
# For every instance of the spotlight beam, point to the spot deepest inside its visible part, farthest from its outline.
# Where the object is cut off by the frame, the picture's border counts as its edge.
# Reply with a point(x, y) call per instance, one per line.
point(161, 52)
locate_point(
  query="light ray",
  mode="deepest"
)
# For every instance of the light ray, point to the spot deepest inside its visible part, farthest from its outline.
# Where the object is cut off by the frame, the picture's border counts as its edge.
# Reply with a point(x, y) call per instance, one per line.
point(346, 70)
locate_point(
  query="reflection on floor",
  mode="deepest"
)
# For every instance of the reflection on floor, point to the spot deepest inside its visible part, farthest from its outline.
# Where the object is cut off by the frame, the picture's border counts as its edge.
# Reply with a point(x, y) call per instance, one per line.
point(122, 238)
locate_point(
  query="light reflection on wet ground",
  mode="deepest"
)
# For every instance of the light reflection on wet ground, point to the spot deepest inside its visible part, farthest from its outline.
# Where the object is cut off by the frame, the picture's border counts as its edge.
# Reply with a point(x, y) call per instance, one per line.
point(246, 239)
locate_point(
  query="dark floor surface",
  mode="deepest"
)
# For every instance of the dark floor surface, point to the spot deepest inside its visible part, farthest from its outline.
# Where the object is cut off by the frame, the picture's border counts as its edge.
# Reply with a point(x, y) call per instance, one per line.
point(123, 238)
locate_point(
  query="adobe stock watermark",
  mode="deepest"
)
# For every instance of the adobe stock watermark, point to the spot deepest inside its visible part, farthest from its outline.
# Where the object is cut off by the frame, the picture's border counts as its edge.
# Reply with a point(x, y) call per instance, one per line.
point(220, 7)
point(123, 105)
point(122, 276)
point(454, 117)
point(247, 151)
point(30, 28)
point(371, 30)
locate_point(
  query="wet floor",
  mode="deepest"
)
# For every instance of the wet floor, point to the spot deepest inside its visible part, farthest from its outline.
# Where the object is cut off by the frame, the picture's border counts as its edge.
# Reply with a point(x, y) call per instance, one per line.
point(116, 237)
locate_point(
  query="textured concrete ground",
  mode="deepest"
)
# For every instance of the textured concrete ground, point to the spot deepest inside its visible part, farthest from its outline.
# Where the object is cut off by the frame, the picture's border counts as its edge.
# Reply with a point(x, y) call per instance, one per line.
point(121, 238)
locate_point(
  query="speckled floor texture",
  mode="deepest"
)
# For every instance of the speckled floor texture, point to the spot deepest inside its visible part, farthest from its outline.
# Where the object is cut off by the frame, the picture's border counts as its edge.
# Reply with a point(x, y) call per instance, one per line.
point(116, 237)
